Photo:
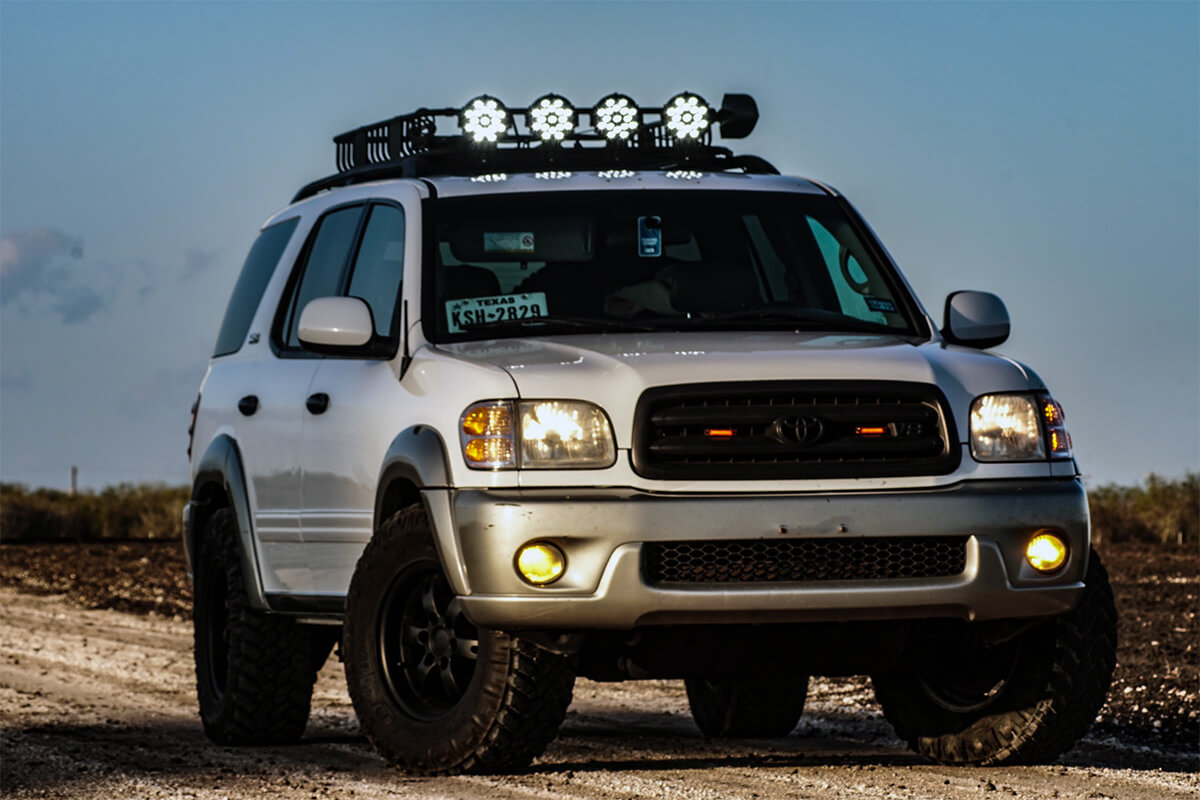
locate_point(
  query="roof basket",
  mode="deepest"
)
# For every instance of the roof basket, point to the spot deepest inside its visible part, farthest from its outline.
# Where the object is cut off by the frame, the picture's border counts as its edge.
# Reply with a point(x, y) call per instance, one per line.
point(488, 137)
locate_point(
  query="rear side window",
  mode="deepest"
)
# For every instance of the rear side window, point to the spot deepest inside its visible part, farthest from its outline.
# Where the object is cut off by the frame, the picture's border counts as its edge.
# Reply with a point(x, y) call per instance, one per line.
point(256, 272)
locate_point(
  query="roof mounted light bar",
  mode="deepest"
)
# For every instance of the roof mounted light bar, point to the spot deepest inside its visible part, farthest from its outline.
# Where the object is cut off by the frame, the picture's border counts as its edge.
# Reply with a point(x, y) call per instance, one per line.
point(551, 134)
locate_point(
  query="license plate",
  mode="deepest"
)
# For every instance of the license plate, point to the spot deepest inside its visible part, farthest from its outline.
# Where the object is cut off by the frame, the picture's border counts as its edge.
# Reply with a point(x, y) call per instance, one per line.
point(462, 314)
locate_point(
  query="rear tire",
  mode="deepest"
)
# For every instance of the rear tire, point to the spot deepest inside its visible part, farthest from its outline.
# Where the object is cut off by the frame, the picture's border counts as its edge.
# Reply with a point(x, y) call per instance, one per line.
point(434, 694)
point(754, 704)
point(1025, 701)
point(254, 670)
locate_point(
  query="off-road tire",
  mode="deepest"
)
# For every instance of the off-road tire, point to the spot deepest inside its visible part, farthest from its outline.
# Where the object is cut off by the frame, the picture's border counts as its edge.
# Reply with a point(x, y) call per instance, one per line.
point(254, 670)
point(1046, 706)
point(509, 709)
point(754, 704)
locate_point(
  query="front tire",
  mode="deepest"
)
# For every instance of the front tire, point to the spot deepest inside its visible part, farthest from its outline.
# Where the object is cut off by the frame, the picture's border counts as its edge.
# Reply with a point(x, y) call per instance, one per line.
point(434, 694)
point(254, 671)
point(1022, 701)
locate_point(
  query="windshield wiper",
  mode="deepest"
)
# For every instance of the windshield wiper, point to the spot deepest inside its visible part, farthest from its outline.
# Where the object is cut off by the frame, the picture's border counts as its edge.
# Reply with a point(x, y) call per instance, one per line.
point(809, 319)
point(572, 322)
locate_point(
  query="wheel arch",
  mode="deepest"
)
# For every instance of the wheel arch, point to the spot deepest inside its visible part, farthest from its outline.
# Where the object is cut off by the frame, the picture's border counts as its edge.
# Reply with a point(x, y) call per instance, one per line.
point(220, 482)
point(415, 460)
point(416, 470)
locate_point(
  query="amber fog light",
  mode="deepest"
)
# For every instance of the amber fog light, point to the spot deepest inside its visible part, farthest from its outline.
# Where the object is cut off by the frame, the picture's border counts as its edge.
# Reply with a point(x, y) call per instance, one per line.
point(541, 563)
point(1046, 552)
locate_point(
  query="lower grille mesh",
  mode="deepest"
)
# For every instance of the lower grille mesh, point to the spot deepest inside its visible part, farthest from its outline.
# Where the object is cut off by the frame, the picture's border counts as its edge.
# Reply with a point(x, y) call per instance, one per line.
point(801, 560)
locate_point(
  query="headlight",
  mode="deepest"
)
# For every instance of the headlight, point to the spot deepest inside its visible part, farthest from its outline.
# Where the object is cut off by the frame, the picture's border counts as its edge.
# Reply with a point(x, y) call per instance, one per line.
point(565, 433)
point(1018, 427)
point(543, 434)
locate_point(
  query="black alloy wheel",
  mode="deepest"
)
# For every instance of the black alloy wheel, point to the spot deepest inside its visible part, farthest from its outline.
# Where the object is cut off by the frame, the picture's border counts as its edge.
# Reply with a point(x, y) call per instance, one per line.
point(434, 694)
point(428, 648)
point(973, 678)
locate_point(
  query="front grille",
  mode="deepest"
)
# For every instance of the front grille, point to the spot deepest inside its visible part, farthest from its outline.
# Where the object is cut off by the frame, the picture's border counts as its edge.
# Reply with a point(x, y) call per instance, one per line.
point(809, 429)
point(803, 560)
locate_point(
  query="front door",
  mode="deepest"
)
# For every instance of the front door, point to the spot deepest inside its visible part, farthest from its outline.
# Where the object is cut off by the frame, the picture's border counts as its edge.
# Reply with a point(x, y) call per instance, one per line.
point(362, 405)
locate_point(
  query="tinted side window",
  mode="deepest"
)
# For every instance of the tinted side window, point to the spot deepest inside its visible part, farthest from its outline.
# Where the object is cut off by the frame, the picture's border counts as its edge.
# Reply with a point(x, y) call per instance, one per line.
point(256, 272)
point(326, 263)
point(379, 267)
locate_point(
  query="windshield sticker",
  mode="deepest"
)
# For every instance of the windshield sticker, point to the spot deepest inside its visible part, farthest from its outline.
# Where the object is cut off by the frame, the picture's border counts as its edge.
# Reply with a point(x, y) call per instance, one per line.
point(649, 237)
point(462, 314)
point(880, 304)
point(508, 242)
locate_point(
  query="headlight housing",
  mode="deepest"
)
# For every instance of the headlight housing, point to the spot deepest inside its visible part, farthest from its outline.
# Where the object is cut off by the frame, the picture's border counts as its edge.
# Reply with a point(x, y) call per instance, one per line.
point(1018, 427)
point(537, 434)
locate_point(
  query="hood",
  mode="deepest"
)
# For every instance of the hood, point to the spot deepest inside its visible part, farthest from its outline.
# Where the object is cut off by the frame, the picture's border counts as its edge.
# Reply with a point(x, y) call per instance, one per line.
point(612, 370)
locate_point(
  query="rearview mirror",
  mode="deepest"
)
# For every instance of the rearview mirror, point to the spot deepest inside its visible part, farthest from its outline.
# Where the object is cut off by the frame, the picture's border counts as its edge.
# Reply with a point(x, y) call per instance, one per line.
point(975, 319)
point(330, 324)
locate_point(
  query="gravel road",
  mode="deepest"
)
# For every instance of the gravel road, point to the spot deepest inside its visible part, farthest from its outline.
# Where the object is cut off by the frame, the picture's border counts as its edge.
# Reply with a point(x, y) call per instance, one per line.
point(100, 704)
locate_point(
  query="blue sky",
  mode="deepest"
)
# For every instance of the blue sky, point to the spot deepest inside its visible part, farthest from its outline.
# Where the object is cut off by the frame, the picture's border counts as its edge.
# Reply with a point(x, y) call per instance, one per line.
point(1047, 152)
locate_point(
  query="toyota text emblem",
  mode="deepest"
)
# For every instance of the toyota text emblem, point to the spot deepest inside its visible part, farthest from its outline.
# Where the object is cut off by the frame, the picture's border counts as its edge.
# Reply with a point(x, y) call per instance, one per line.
point(798, 430)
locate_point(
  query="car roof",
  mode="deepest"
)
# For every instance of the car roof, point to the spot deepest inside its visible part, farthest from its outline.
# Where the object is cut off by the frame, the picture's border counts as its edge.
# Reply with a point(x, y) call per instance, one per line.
point(453, 186)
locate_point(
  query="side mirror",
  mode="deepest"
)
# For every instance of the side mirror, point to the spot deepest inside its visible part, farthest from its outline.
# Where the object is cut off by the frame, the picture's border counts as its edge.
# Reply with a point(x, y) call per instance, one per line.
point(336, 324)
point(975, 319)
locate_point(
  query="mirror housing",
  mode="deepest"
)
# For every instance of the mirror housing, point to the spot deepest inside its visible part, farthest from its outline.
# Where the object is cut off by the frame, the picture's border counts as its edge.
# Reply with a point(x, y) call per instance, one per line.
point(975, 319)
point(337, 326)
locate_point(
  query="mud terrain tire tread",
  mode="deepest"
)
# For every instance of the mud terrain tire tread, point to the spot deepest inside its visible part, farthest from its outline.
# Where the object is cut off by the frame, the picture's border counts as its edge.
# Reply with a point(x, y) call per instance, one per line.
point(270, 658)
point(522, 702)
point(747, 706)
point(1059, 714)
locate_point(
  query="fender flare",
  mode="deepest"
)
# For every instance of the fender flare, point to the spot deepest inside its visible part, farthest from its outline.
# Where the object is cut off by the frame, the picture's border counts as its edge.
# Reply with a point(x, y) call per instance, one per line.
point(221, 467)
point(418, 455)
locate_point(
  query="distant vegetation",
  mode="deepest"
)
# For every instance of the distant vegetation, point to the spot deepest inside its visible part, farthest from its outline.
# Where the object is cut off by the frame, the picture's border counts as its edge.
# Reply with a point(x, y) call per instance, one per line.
point(1159, 510)
point(146, 511)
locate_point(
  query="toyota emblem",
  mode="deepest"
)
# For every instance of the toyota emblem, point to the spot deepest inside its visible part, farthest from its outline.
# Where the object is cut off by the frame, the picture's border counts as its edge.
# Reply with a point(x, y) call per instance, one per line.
point(798, 430)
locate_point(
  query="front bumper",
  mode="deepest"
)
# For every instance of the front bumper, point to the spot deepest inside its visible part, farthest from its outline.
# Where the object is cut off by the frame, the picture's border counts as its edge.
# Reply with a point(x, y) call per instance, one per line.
point(602, 532)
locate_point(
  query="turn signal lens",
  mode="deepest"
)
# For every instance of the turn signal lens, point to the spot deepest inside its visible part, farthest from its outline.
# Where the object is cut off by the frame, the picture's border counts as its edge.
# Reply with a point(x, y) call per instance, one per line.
point(486, 435)
point(1057, 437)
point(541, 563)
point(1046, 552)
point(489, 452)
point(489, 420)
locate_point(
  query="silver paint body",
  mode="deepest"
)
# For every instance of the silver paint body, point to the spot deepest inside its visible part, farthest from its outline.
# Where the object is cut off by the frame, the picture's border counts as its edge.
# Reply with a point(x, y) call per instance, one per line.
point(312, 480)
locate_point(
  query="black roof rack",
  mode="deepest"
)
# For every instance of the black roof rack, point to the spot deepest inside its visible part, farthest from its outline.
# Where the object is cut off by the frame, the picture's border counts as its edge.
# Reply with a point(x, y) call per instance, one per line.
point(409, 146)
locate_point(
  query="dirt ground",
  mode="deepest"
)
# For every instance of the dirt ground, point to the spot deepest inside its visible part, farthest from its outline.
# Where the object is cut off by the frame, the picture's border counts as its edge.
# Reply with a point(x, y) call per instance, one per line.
point(98, 702)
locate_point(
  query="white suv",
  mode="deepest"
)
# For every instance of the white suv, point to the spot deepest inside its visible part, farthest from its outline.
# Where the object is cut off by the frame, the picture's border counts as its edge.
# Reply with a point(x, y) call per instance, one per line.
point(527, 399)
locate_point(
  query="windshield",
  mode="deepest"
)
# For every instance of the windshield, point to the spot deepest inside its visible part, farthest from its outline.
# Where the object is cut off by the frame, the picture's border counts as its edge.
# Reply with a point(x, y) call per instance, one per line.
point(572, 262)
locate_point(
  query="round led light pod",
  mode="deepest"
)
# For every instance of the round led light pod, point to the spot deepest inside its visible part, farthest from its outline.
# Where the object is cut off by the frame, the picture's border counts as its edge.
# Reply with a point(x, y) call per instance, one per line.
point(540, 563)
point(484, 119)
point(686, 116)
point(552, 118)
point(616, 117)
point(1046, 552)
